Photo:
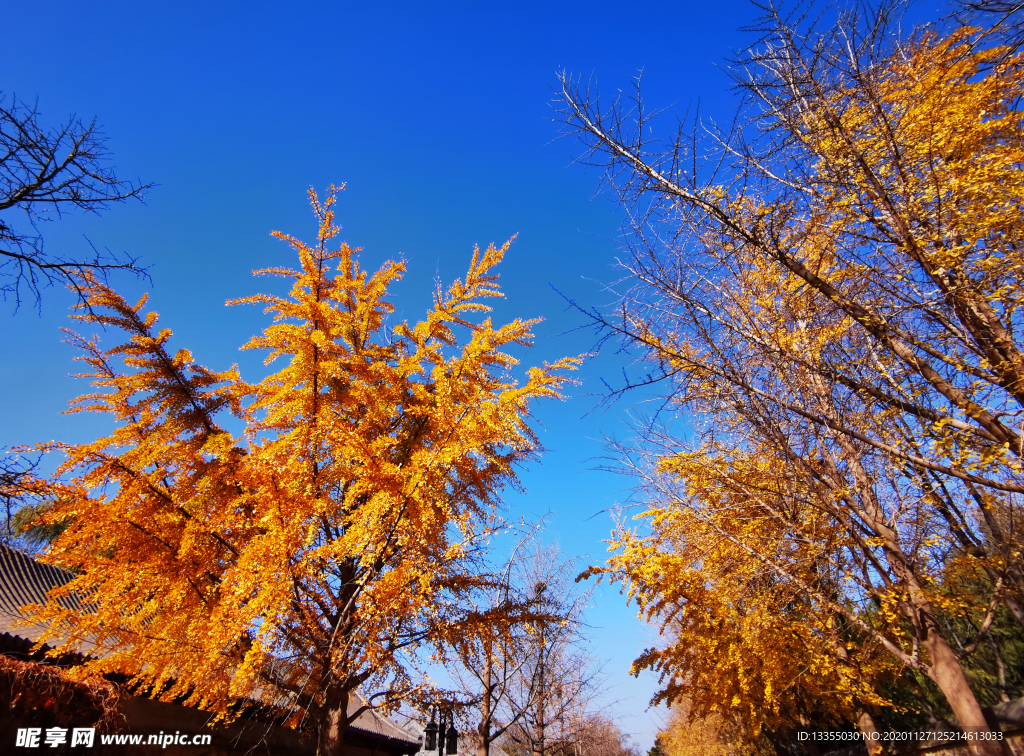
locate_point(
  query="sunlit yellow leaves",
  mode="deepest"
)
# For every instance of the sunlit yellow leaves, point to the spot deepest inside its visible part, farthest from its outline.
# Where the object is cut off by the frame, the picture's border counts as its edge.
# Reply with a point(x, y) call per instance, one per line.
point(337, 534)
point(838, 323)
point(742, 638)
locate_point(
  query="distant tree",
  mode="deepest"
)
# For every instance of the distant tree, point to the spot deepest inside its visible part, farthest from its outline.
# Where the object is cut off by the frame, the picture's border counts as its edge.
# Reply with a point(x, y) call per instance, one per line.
point(45, 172)
point(16, 473)
point(552, 694)
point(24, 498)
point(484, 662)
point(596, 735)
point(320, 551)
point(717, 734)
point(503, 665)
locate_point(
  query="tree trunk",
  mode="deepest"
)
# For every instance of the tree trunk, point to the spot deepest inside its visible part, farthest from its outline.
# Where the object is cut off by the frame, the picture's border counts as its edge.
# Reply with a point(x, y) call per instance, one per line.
point(538, 741)
point(810, 747)
point(538, 744)
point(483, 730)
point(947, 673)
point(866, 723)
point(333, 724)
point(946, 670)
point(1000, 669)
point(1015, 609)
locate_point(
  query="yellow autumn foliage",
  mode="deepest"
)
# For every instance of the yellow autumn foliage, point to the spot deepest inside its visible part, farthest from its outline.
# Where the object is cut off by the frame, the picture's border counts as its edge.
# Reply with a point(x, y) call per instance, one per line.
point(293, 539)
point(839, 326)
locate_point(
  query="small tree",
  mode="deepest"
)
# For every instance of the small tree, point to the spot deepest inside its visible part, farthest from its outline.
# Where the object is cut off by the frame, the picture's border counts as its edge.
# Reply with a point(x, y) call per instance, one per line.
point(527, 616)
point(551, 695)
point(316, 553)
point(17, 471)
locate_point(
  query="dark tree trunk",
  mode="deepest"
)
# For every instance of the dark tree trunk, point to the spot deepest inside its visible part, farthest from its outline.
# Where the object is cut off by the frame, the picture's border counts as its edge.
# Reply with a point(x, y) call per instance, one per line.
point(483, 747)
point(334, 723)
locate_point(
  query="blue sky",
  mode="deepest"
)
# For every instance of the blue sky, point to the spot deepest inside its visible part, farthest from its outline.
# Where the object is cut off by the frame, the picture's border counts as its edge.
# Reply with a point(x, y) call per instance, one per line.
point(437, 115)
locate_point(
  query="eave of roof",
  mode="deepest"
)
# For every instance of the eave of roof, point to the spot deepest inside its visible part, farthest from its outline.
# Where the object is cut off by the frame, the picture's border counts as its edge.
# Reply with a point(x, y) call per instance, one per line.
point(23, 581)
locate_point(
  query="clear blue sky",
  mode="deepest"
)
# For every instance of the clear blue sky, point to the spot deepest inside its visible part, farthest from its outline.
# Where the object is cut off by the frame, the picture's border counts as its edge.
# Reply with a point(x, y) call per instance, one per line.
point(438, 117)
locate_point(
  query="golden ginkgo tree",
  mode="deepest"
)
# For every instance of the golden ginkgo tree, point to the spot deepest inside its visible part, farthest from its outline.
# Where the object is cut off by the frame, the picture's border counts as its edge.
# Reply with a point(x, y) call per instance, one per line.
point(831, 295)
point(319, 549)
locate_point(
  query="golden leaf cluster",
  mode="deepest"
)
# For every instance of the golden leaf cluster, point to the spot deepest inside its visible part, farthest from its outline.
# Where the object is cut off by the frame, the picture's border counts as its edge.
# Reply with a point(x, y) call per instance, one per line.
point(295, 538)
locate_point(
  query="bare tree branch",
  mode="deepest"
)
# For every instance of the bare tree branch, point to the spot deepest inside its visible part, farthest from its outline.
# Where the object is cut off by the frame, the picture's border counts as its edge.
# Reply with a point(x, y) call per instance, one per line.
point(44, 172)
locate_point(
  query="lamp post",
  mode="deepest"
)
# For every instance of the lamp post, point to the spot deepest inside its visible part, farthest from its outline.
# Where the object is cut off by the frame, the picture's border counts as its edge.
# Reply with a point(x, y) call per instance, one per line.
point(444, 737)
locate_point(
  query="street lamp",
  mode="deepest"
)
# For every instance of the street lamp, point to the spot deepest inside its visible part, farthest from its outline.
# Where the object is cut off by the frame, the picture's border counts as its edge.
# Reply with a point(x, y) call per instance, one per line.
point(431, 734)
point(448, 742)
point(452, 740)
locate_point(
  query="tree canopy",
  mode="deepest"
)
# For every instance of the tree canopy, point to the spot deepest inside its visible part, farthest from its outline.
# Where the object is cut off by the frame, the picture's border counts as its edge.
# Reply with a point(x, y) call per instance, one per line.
point(318, 551)
point(833, 297)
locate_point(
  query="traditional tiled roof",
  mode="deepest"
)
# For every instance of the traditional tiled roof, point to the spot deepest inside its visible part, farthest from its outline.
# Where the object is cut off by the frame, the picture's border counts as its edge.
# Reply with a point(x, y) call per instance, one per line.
point(380, 727)
point(23, 581)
